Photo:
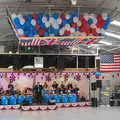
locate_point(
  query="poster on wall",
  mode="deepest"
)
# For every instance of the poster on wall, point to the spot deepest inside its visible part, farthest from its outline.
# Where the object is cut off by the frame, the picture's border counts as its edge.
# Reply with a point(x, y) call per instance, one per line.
point(38, 62)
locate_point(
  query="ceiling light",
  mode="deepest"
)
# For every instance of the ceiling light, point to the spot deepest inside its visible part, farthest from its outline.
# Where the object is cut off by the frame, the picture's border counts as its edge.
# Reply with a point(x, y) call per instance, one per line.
point(106, 43)
point(74, 2)
point(112, 35)
point(115, 22)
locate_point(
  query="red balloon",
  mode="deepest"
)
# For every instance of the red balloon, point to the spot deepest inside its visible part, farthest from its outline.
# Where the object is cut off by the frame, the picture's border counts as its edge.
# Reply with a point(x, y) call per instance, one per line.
point(84, 28)
point(100, 21)
point(81, 17)
point(74, 25)
point(62, 16)
point(37, 27)
point(22, 35)
point(93, 31)
point(41, 32)
point(35, 15)
point(67, 33)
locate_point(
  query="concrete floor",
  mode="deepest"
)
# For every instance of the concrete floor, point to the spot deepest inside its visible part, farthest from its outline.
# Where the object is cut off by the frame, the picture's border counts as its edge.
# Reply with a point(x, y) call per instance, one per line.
point(101, 113)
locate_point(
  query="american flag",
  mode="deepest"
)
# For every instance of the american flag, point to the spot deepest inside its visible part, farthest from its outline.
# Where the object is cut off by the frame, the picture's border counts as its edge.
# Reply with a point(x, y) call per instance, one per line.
point(110, 63)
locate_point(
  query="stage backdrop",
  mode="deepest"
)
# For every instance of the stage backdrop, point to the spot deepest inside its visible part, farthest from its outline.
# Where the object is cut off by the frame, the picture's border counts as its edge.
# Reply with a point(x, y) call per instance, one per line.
point(22, 80)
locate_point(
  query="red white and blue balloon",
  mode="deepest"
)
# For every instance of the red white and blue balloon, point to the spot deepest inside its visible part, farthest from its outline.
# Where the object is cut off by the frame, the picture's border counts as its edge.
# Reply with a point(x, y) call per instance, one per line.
point(69, 24)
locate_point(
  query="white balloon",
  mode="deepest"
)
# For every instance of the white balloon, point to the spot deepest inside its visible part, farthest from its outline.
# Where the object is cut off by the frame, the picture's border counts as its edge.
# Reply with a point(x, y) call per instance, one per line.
point(93, 26)
point(22, 21)
point(52, 35)
point(61, 32)
point(44, 19)
point(79, 23)
point(20, 31)
point(67, 16)
point(47, 24)
point(67, 27)
point(52, 20)
point(83, 34)
point(13, 16)
point(72, 30)
point(75, 19)
point(33, 22)
point(86, 16)
point(102, 31)
point(56, 26)
point(20, 16)
point(95, 20)
point(59, 21)
point(98, 30)
point(105, 16)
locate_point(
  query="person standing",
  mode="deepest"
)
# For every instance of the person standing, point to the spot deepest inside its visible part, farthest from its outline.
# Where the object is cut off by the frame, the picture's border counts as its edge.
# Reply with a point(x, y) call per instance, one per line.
point(37, 89)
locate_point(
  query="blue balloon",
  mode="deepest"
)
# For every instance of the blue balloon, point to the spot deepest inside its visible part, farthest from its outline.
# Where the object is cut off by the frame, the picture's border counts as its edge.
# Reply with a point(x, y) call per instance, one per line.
point(40, 15)
point(42, 26)
point(17, 24)
point(56, 31)
point(64, 21)
point(75, 13)
point(39, 21)
point(29, 17)
point(46, 34)
point(70, 20)
point(90, 21)
point(48, 17)
point(55, 16)
point(16, 21)
point(106, 24)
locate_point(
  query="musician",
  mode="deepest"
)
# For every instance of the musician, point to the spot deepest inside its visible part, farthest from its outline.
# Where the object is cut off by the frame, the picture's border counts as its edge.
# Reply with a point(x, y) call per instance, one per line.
point(38, 92)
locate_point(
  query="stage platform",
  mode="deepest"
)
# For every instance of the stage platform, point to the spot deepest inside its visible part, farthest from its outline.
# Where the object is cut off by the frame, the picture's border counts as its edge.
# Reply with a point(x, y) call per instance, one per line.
point(44, 107)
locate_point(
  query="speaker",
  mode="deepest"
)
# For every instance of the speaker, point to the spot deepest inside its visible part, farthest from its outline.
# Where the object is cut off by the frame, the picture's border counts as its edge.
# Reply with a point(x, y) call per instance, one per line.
point(99, 83)
point(94, 102)
point(93, 86)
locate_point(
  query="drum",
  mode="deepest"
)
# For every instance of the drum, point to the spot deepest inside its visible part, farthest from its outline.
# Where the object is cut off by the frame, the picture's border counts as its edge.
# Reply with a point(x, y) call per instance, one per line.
point(4, 100)
point(72, 98)
point(57, 98)
point(20, 99)
point(46, 98)
point(12, 100)
point(28, 99)
point(64, 98)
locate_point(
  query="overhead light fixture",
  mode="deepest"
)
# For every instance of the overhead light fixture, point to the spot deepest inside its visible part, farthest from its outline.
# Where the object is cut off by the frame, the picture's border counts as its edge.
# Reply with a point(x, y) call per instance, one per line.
point(104, 42)
point(115, 22)
point(112, 35)
point(74, 2)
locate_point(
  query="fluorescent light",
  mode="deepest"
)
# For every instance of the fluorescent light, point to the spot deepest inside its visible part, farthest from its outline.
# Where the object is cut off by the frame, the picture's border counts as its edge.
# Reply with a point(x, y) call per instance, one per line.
point(112, 35)
point(106, 43)
point(74, 2)
point(115, 22)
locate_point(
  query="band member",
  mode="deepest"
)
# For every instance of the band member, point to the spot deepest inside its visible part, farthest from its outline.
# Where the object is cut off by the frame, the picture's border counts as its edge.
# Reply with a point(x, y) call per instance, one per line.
point(38, 92)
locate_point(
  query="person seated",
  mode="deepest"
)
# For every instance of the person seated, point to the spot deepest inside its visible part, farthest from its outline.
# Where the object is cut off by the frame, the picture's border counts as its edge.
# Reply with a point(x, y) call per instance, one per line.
point(75, 89)
point(45, 86)
point(1, 91)
point(63, 88)
point(70, 86)
point(10, 85)
point(55, 85)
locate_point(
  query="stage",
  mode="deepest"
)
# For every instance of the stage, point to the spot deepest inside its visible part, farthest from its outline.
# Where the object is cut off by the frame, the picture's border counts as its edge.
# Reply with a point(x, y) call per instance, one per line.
point(83, 113)
point(45, 107)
